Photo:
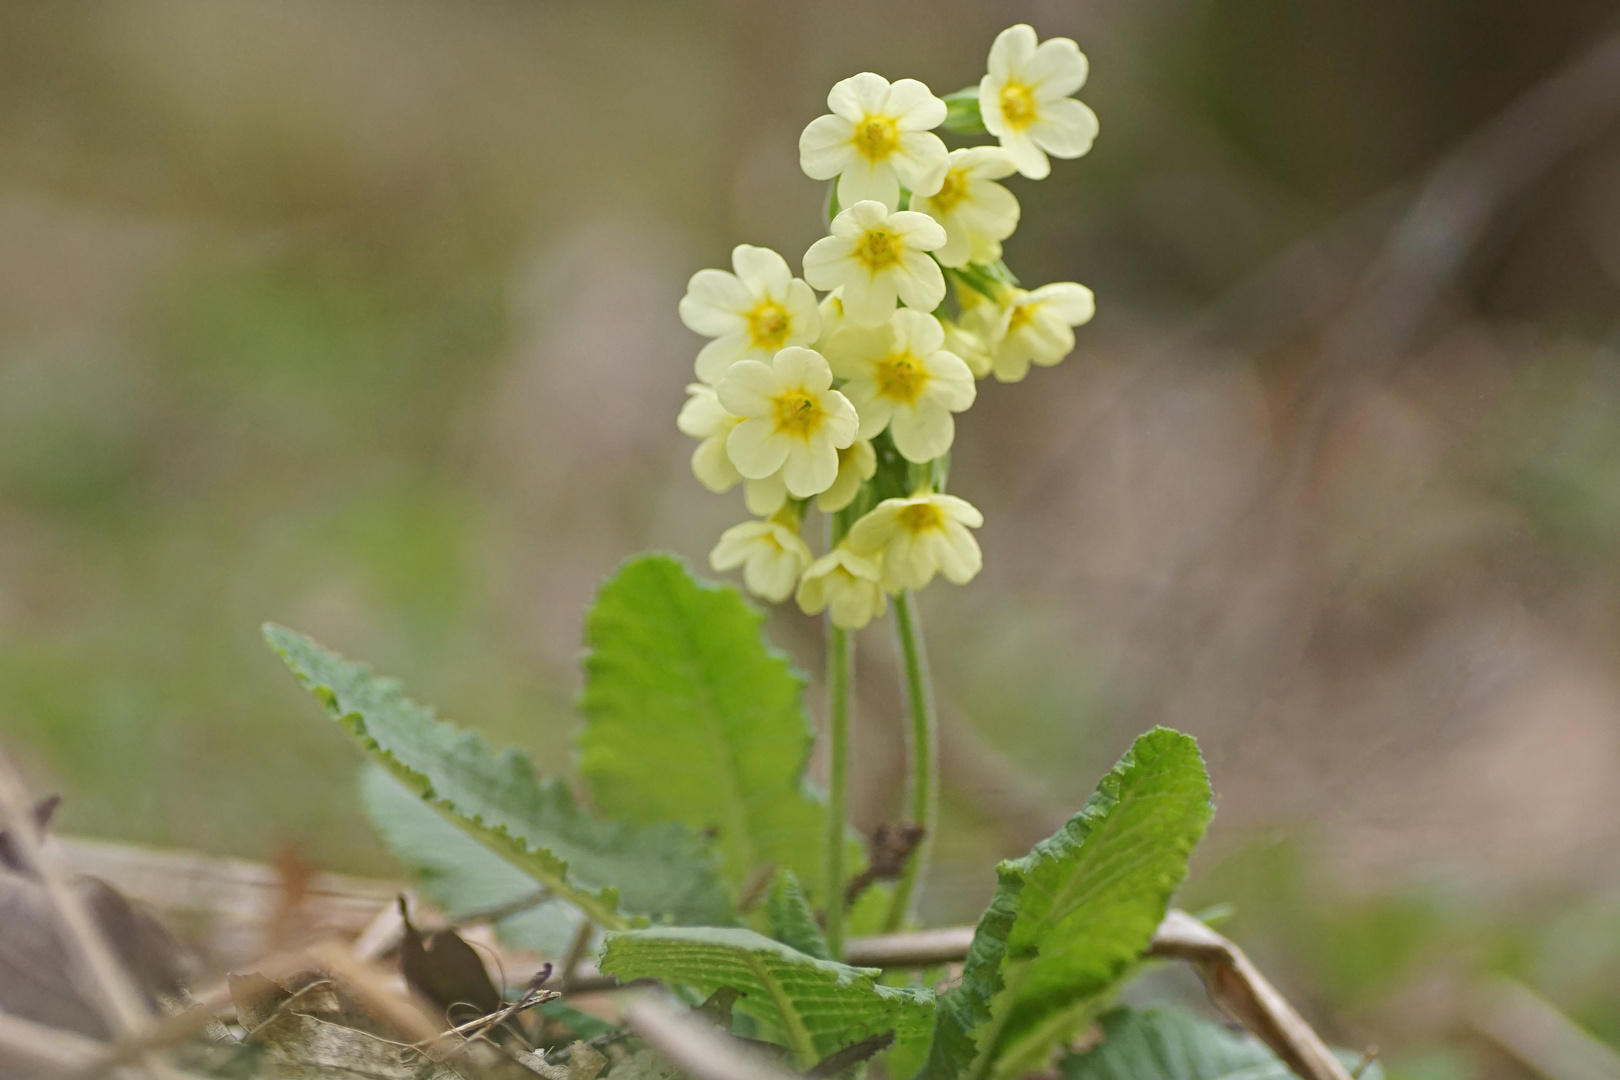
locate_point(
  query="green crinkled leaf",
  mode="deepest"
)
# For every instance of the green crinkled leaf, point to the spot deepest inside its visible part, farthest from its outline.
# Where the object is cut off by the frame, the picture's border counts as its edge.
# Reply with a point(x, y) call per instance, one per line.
point(692, 717)
point(533, 824)
point(1071, 918)
point(815, 1007)
point(793, 923)
point(1169, 1044)
point(461, 875)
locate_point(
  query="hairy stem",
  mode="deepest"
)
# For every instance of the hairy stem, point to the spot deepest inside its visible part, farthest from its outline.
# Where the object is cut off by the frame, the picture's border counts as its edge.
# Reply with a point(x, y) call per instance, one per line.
point(839, 689)
point(924, 749)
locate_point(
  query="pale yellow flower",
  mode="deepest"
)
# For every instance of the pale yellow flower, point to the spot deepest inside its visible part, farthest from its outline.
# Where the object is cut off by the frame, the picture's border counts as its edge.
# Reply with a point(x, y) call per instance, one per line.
point(793, 420)
point(899, 376)
point(873, 256)
point(857, 463)
point(849, 584)
point(876, 138)
point(978, 213)
point(770, 552)
point(832, 319)
point(1025, 100)
point(968, 343)
point(915, 538)
point(1039, 327)
point(704, 418)
point(751, 314)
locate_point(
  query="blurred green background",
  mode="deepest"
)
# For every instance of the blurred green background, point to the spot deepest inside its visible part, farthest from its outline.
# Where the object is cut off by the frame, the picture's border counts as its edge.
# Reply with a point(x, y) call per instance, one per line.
point(360, 317)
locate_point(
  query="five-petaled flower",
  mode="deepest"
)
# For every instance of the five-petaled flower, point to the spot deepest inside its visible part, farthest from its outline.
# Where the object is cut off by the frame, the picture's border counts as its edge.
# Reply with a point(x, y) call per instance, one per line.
point(978, 213)
point(876, 138)
point(770, 552)
point(1038, 327)
point(899, 376)
point(847, 583)
point(1025, 102)
point(793, 420)
point(915, 538)
point(873, 256)
point(751, 314)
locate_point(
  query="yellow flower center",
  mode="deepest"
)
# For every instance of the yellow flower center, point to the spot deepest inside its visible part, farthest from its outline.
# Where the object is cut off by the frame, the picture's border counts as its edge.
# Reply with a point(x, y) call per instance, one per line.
point(798, 413)
point(952, 192)
point(768, 325)
point(1021, 316)
point(901, 377)
point(920, 517)
point(879, 249)
point(876, 137)
point(1018, 105)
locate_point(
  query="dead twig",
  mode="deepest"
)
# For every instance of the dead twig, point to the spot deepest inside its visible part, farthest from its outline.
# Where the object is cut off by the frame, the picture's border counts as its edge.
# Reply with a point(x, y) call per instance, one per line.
point(1239, 990)
point(101, 980)
point(920, 948)
point(696, 1047)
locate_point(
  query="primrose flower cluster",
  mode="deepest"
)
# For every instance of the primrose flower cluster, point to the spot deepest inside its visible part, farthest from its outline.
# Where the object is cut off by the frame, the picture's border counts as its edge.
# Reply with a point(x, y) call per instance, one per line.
point(849, 401)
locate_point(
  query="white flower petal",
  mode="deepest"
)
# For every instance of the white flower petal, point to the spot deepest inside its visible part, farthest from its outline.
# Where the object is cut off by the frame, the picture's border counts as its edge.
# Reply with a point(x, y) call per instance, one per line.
point(984, 162)
point(716, 358)
point(764, 496)
point(825, 262)
point(826, 147)
point(804, 315)
point(959, 509)
point(952, 384)
point(922, 432)
point(868, 300)
point(864, 179)
point(917, 230)
point(858, 96)
point(1012, 49)
point(713, 467)
point(1057, 69)
point(1074, 304)
point(1065, 128)
point(918, 332)
point(811, 468)
point(756, 449)
point(913, 107)
point(796, 366)
point(714, 303)
point(762, 270)
point(748, 388)
point(922, 285)
point(1029, 158)
point(921, 161)
point(875, 413)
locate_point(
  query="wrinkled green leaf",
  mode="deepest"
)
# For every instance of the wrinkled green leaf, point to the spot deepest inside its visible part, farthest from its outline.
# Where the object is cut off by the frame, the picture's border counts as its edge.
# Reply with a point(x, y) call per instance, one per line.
point(1071, 918)
point(533, 824)
point(814, 1007)
point(793, 923)
point(1169, 1044)
point(692, 717)
point(462, 876)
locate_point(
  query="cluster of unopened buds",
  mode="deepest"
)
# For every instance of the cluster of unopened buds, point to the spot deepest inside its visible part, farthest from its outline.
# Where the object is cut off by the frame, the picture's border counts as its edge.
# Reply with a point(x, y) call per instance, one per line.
point(848, 401)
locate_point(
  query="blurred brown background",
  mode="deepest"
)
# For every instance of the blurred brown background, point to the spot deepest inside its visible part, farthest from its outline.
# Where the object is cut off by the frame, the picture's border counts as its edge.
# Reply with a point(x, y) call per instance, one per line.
point(360, 316)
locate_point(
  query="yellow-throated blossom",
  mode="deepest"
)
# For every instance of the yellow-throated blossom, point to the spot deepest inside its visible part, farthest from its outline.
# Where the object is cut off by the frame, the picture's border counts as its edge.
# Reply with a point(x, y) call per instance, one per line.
point(899, 376)
point(793, 420)
point(849, 584)
point(857, 463)
point(704, 418)
point(877, 137)
point(1039, 327)
point(873, 256)
point(915, 538)
point(978, 213)
point(1025, 100)
point(751, 313)
point(770, 552)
